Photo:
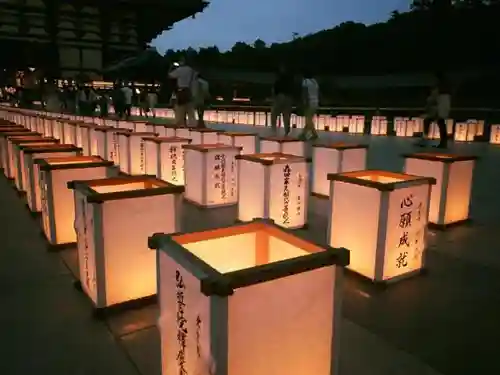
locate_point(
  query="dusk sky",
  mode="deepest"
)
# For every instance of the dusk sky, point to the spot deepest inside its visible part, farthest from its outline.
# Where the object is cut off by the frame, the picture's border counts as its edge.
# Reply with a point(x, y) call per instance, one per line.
point(226, 22)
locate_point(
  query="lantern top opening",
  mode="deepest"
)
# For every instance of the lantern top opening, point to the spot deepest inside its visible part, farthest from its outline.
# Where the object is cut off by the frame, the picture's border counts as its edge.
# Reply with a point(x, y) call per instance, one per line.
point(51, 147)
point(89, 125)
point(280, 139)
point(245, 254)
point(72, 162)
point(438, 156)
point(31, 137)
point(106, 189)
point(272, 158)
point(167, 139)
point(237, 134)
point(114, 130)
point(211, 147)
point(140, 134)
point(341, 146)
point(12, 129)
point(205, 130)
point(27, 144)
point(381, 180)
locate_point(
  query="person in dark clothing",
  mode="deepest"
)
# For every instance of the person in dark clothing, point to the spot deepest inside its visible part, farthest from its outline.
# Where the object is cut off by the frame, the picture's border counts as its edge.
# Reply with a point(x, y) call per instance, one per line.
point(284, 90)
point(438, 108)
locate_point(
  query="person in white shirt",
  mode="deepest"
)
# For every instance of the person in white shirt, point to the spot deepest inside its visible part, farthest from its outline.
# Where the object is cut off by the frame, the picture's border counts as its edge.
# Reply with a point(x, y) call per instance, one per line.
point(128, 94)
point(310, 94)
point(201, 92)
point(152, 101)
point(185, 78)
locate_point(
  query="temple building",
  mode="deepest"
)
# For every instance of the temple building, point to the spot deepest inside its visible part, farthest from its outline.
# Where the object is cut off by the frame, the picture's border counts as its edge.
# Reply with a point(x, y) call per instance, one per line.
point(69, 38)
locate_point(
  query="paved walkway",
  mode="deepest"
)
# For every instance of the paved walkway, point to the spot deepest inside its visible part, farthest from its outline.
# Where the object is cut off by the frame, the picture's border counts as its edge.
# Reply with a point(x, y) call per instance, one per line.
point(443, 323)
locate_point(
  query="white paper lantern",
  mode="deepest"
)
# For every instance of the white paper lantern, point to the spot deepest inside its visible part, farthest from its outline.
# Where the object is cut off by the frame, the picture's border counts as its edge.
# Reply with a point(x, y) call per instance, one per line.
point(335, 158)
point(131, 152)
point(70, 132)
point(113, 218)
point(273, 186)
point(495, 134)
point(247, 141)
point(89, 141)
point(204, 136)
point(141, 127)
point(381, 217)
point(479, 126)
point(57, 201)
point(282, 145)
point(211, 174)
point(465, 131)
point(165, 158)
point(6, 149)
point(357, 124)
point(404, 127)
point(182, 132)
point(58, 129)
point(16, 166)
point(378, 125)
point(212, 316)
point(260, 119)
point(343, 122)
point(450, 197)
point(108, 146)
point(31, 172)
point(434, 130)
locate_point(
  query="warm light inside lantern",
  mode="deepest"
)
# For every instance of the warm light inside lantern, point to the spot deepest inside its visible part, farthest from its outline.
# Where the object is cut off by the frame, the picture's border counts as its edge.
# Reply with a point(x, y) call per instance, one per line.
point(73, 160)
point(125, 186)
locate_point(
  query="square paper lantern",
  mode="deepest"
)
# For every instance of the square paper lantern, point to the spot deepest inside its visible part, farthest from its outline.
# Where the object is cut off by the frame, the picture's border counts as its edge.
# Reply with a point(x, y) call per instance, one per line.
point(273, 186)
point(113, 219)
point(282, 145)
point(450, 197)
point(108, 145)
point(89, 139)
point(165, 158)
point(434, 131)
point(357, 124)
point(58, 129)
point(132, 152)
point(31, 172)
point(4, 146)
point(16, 156)
point(465, 131)
point(495, 134)
point(57, 202)
point(381, 217)
point(229, 297)
point(210, 174)
point(335, 158)
point(379, 125)
point(247, 141)
point(404, 127)
point(204, 136)
point(70, 132)
point(182, 132)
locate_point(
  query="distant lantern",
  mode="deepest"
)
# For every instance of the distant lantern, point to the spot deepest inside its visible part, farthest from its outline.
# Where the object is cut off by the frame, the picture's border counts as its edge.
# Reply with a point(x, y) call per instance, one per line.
point(17, 145)
point(273, 186)
point(210, 173)
point(31, 172)
point(140, 126)
point(247, 141)
point(450, 197)
point(381, 217)
point(182, 132)
point(379, 125)
point(210, 284)
point(57, 202)
point(70, 132)
point(113, 219)
point(335, 158)
point(6, 148)
point(495, 135)
point(357, 124)
point(465, 131)
point(343, 122)
point(58, 129)
point(89, 141)
point(283, 145)
point(405, 127)
point(108, 146)
point(204, 136)
point(165, 158)
point(434, 129)
point(132, 152)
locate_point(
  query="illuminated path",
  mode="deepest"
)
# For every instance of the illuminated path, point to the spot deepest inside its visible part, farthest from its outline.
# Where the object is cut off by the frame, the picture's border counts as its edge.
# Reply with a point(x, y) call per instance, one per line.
point(447, 320)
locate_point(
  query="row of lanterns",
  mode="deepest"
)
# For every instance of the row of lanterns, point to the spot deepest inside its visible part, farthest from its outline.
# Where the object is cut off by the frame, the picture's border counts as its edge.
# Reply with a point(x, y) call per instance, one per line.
point(108, 189)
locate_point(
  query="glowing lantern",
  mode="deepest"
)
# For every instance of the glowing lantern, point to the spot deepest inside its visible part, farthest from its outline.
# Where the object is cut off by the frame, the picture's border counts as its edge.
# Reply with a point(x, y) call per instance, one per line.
point(210, 284)
point(182, 132)
point(479, 126)
point(434, 130)
point(465, 131)
point(335, 158)
point(379, 125)
point(495, 134)
point(140, 126)
point(247, 141)
point(210, 174)
point(450, 197)
point(165, 158)
point(166, 130)
point(58, 129)
point(357, 124)
point(70, 132)
point(404, 127)
point(381, 217)
point(89, 142)
point(343, 122)
point(57, 202)
point(4, 148)
point(273, 186)
point(108, 146)
point(132, 153)
point(16, 147)
point(204, 136)
point(31, 172)
point(282, 145)
point(113, 219)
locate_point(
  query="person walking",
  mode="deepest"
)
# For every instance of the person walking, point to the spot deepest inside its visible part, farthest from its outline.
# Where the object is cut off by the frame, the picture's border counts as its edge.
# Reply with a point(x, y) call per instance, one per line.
point(128, 94)
point(310, 97)
point(152, 101)
point(201, 95)
point(185, 77)
point(437, 110)
point(283, 92)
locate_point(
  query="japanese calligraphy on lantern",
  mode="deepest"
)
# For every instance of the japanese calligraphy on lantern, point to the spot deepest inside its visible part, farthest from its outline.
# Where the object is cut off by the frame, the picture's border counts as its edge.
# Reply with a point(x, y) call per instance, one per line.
point(173, 157)
point(142, 151)
point(182, 330)
point(406, 231)
point(222, 178)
